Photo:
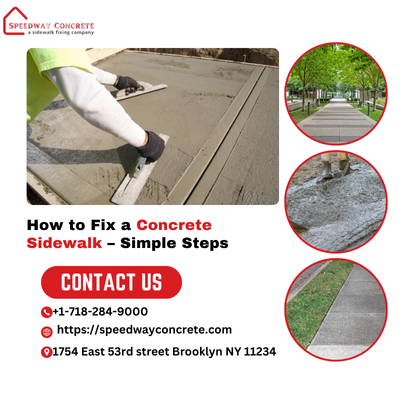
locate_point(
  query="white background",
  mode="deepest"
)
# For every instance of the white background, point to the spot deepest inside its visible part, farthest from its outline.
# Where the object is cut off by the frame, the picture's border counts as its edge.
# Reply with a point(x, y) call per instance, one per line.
point(244, 286)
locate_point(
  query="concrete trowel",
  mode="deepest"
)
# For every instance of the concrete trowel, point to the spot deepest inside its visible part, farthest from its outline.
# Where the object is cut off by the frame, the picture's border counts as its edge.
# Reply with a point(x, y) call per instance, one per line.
point(144, 89)
point(133, 182)
point(344, 166)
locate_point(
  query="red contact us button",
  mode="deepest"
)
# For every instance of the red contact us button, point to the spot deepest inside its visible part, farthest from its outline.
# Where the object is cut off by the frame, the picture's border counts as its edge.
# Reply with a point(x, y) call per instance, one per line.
point(111, 282)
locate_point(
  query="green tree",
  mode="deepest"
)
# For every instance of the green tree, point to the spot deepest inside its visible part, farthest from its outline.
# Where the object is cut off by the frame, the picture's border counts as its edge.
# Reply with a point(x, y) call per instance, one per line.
point(337, 68)
point(370, 69)
point(313, 68)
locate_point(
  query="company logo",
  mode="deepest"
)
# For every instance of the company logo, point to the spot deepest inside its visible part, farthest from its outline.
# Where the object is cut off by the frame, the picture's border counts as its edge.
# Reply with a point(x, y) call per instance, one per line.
point(15, 24)
point(14, 33)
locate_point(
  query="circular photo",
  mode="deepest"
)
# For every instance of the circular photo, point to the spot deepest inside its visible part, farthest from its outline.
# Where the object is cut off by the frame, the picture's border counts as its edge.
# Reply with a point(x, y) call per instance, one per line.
point(336, 309)
point(335, 201)
point(336, 93)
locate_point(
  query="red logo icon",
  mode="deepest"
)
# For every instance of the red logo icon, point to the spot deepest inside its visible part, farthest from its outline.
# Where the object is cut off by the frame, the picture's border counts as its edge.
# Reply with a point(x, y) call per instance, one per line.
point(5, 18)
point(46, 312)
point(46, 332)
point(46, 352)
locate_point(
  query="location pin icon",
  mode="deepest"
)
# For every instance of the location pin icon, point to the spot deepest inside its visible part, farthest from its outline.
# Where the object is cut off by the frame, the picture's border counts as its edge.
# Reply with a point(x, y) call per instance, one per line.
point(46, 352)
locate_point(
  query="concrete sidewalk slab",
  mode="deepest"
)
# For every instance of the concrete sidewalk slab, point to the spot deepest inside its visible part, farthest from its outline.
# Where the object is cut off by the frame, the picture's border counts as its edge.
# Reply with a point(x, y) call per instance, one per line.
point(355, 319)
point(200, 92)
point(337, 352)
point(337, 123)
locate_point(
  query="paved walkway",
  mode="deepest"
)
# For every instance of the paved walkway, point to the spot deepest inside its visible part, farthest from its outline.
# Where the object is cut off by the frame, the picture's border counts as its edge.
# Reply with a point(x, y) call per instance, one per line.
point(337, 123)
point(354, 321)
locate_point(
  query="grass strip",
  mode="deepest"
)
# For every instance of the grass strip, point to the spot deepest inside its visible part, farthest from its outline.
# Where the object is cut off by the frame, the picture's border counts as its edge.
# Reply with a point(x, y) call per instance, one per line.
point(299, 115)
point(374, 115)
point(306, 311)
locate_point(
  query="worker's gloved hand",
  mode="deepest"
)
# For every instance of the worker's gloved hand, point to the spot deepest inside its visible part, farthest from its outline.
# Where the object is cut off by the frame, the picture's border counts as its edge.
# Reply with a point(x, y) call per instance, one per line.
point(154, 148)
point(127, 83)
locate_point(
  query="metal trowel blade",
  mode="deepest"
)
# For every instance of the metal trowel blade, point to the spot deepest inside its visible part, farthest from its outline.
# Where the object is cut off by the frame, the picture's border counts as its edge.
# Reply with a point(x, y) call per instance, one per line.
point(128, 191)
point(148, 88)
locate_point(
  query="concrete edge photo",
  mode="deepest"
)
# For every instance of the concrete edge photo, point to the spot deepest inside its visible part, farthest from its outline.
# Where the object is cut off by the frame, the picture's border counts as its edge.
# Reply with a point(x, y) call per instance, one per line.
point(336, 309)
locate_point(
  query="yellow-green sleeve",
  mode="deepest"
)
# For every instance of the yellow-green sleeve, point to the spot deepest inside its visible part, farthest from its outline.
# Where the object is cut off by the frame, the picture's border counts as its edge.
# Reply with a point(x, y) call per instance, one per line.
point(40, 90)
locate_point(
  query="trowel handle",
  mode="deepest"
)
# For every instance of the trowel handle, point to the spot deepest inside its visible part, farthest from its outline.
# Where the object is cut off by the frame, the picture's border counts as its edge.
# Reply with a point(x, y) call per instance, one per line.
point(140, 164)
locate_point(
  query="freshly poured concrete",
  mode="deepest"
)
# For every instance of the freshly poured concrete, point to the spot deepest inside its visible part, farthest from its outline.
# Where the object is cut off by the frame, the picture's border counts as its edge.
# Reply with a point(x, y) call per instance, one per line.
point(199, 94)
point(355, 319)
point(337, 123)
point(339, 213)
point(246, 177)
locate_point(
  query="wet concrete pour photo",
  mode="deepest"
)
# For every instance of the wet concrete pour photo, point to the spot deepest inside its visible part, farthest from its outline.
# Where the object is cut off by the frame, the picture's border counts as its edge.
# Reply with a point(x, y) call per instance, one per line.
point(221, 118)
point(340, 213)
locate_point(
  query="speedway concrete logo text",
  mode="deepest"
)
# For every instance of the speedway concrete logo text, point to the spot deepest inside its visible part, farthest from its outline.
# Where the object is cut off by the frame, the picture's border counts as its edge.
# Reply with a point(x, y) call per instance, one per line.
point(15, 24)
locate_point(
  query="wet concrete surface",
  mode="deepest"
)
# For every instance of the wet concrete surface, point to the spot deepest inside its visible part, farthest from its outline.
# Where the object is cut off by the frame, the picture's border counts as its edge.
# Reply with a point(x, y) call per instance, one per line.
point(340, 213)
point(199, 93)
point(337, 123)
point(245, 176)
point(354, 321)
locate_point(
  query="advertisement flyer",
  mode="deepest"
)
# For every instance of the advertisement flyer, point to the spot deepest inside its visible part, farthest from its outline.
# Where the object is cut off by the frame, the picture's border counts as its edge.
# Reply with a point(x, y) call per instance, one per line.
point(208, 208)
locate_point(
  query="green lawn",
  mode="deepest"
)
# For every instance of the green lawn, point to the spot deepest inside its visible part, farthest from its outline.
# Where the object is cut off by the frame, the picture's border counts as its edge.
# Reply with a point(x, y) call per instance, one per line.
point(306, 311)
point(374, 115)
point(300, 115)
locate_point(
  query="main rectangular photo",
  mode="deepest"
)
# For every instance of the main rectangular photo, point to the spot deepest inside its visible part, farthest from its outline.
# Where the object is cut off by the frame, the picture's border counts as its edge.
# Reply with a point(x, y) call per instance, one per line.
point(153, 126)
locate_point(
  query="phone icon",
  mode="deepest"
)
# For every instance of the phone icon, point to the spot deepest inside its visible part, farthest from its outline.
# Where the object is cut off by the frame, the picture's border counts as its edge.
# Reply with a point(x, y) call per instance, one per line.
point(46, 312)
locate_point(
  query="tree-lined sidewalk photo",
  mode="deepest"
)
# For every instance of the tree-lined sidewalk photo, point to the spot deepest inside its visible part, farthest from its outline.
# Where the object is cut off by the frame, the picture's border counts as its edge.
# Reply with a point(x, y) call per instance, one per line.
point(336, 93)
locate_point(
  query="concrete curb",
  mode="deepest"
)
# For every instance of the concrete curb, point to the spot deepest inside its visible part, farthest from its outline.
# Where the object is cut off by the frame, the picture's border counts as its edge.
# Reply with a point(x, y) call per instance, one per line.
point(295, 292)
